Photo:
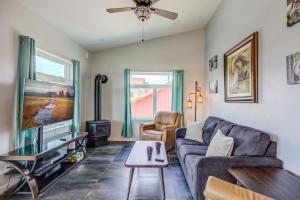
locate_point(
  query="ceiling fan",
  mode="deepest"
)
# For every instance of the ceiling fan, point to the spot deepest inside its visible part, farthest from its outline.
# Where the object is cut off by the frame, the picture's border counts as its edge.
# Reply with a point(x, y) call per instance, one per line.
point(144, 9)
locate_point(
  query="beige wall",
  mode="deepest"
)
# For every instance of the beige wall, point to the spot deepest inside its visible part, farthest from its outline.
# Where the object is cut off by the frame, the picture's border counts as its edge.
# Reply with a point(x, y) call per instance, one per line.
point(279, 103)
point(16, 20)
point(183, 51)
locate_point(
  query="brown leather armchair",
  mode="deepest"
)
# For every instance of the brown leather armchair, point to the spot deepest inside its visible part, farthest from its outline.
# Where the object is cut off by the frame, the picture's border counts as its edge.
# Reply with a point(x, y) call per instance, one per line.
point(162, 129)
point(217, 189)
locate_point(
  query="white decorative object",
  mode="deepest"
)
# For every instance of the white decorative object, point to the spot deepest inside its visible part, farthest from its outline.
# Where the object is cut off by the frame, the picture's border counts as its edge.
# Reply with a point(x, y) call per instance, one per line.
point(220, 145)
point(194, 131)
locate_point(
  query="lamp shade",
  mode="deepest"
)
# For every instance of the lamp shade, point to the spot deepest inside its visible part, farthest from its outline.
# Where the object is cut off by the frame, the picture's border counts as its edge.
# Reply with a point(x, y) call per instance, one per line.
point(189, 104)
point(200, 99)
point(198, 93)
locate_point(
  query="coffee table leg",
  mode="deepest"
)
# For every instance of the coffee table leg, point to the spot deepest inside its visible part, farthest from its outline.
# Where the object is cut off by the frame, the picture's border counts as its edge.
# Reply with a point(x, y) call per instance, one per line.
point(130, 182)
point(162, 183)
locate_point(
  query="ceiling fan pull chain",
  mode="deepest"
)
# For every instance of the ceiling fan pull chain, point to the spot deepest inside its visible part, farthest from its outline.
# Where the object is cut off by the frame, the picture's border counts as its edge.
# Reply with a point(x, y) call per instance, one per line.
point(143, 32)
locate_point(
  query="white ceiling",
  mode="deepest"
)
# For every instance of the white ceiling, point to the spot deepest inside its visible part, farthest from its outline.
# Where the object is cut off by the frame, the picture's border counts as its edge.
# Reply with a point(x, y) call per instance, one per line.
point(88, 23)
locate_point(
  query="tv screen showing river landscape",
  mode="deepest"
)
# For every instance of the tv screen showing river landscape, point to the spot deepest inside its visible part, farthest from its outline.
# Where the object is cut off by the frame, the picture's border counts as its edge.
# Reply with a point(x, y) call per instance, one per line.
point(46, 103)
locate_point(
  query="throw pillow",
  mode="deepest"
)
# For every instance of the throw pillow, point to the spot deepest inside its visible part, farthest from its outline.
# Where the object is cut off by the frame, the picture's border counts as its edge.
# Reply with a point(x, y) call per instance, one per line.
point(220, 145)
point(194, 131)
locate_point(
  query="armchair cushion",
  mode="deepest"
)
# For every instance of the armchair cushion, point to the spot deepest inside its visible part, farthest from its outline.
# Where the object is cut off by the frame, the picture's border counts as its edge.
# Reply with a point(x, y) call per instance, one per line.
point(152, 135)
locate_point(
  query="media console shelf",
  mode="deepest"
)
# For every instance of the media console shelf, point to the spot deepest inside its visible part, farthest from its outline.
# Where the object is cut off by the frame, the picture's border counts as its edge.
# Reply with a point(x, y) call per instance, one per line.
point(41, 169)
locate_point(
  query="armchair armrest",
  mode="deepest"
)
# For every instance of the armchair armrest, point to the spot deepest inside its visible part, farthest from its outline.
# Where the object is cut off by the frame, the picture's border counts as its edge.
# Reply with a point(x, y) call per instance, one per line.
point(180, 132)
point(169, 128)
point(147, 126)
point(218, 166)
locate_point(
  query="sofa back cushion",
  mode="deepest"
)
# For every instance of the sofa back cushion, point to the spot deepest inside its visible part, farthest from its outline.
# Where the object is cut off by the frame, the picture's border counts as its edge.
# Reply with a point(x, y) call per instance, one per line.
point(209, 127)
point(249, 141)
point(224, 126)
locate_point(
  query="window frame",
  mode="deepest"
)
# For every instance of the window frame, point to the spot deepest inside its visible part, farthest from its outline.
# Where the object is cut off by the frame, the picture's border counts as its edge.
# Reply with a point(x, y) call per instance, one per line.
point(154, 88)
point(68, 68)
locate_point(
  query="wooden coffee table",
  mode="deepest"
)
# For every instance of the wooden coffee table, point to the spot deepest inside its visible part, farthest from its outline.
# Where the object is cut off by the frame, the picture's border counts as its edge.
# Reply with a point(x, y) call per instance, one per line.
point(138, 159)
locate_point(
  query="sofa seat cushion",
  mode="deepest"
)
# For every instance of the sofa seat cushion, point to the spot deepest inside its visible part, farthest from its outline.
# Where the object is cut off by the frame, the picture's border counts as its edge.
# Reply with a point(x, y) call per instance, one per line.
point(182, 141)
point(191, 150)
point(249, 141)
point(152, 135)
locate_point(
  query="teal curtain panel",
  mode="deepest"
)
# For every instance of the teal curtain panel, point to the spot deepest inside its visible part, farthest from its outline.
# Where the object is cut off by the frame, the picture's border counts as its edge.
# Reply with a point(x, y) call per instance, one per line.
point(27, 70)
point(177, 93)
point(127, 127)
point(76, 82)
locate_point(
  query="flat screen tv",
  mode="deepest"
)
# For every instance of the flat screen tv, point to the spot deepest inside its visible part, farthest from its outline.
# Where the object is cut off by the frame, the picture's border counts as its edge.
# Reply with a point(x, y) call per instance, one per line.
point(46, 103)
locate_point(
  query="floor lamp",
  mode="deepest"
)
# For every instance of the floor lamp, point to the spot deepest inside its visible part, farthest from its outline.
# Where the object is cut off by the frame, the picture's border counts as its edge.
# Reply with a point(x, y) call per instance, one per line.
point(198, 99)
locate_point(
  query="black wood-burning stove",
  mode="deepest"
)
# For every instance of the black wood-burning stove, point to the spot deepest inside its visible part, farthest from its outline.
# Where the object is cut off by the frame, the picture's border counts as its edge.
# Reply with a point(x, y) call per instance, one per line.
point(99, 130)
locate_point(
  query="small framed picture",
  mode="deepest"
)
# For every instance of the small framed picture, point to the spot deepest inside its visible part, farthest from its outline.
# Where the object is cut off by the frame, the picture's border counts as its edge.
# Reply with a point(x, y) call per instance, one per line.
point(213, 87)
point(293, 68)
point(213, 63)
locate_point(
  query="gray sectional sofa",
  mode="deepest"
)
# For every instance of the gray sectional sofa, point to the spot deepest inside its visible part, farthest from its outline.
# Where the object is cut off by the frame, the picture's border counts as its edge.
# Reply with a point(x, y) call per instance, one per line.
point(251, 148)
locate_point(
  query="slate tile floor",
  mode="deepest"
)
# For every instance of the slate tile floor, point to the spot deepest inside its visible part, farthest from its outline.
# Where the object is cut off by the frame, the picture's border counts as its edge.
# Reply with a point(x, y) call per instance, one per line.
point(102, 176)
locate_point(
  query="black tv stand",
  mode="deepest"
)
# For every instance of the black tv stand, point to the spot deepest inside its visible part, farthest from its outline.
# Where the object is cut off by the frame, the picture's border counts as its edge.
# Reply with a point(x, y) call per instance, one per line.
point(41, 169)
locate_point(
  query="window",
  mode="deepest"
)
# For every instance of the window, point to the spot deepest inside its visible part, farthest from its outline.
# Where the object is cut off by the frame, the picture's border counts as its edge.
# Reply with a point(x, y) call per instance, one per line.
point(150, 92)
point(52, 68)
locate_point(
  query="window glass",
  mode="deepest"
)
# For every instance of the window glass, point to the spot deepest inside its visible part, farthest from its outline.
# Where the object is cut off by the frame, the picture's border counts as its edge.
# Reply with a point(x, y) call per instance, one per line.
point(142, 102)
point(151, 79)
point(150, 92)
point(164, 99)
point(49, 67)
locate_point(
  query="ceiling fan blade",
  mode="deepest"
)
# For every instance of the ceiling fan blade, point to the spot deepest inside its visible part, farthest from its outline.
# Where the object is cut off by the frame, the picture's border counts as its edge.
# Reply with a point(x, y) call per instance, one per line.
point(164, 13)
point(114, 10)
point(154, 1)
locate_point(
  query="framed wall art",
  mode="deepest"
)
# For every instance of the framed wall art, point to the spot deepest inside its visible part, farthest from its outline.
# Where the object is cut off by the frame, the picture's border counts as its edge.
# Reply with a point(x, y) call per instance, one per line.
point(213, 63)
point(293, 68)
point(213, 87)
point(293, 12)
point(241, 71)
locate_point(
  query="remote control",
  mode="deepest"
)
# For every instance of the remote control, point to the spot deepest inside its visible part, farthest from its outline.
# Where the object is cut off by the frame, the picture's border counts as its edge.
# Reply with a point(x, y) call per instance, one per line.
point(159, 160)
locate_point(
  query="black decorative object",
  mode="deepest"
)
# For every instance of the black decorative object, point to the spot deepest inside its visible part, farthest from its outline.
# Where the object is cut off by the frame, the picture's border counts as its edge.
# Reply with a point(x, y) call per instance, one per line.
point(99, 130)
point(149, 152)
point(157, 146)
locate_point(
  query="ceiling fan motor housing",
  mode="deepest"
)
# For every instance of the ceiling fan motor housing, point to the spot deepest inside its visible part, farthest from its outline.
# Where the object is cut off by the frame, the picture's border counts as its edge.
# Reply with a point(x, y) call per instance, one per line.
point(143, 13)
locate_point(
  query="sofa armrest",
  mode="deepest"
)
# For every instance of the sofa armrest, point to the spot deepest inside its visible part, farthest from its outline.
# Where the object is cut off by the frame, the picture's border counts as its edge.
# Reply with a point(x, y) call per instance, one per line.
point(147, 126)
point(180, 132)
point(218, 166)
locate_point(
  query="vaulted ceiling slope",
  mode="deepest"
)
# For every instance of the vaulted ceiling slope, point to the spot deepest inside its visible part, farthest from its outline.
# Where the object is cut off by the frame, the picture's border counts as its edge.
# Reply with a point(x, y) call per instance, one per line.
point(88, 23)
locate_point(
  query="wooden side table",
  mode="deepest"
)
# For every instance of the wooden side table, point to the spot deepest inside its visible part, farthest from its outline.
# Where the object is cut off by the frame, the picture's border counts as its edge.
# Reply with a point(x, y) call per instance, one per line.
point(276, 183)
